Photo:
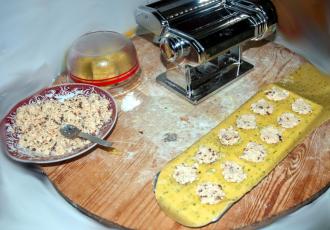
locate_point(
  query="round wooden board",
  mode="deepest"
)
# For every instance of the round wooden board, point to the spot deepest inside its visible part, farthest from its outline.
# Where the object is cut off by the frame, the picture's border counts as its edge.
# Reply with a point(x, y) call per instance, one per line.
point(115, 187)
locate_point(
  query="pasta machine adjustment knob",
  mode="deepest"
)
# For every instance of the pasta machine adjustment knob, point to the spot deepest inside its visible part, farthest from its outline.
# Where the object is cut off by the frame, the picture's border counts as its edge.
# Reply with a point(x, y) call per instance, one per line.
point(174, 48)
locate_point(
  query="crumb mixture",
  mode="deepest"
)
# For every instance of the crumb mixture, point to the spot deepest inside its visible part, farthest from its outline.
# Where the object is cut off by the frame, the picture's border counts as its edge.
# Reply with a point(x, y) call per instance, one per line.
point(38, 125)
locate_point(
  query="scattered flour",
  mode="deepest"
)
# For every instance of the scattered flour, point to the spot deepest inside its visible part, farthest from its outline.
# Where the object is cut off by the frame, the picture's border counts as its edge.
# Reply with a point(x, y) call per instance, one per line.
point(130, 155)
point(129, 102)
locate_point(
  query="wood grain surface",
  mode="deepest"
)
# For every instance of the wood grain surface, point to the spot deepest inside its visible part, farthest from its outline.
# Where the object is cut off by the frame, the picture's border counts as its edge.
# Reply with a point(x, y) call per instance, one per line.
point(115, 187)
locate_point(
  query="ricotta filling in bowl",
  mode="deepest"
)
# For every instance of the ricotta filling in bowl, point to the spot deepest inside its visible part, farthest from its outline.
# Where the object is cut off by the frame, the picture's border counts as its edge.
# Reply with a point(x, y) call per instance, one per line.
point(38, 124)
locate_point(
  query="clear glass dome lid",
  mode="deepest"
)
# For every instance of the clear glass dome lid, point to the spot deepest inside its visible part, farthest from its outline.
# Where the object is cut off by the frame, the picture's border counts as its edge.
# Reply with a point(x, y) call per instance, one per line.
point(102, 58)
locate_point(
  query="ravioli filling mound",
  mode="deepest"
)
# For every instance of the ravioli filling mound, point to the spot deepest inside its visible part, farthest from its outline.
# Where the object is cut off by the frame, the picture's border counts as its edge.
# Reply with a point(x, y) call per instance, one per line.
point(271, 135)
point(206, 155)
point(233, 172)
point(276, 94)
point(184, 174)
point(262, 107)
point(288, 120)
point(301, 106)
point(210, 193)
point(246, 121)
point(229, 136)
point(254, 152)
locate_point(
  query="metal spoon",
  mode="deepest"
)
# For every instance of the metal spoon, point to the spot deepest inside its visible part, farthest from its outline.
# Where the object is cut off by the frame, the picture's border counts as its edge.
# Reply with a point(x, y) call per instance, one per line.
point(71, 131)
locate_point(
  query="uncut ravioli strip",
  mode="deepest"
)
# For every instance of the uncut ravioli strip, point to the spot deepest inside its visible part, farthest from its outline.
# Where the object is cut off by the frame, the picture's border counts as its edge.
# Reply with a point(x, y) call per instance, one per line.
point(181, 202)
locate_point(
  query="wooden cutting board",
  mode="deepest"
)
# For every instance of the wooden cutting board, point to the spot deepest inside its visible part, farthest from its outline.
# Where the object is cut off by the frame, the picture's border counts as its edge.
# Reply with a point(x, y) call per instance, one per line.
point(115, 187)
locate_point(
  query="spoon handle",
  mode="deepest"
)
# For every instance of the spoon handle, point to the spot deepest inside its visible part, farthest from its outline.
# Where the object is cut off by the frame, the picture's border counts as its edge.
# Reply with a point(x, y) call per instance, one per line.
point(95, 139)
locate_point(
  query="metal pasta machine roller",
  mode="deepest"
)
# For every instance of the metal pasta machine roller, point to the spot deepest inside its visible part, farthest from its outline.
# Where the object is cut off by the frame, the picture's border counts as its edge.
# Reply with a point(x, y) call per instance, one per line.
point(200, 40)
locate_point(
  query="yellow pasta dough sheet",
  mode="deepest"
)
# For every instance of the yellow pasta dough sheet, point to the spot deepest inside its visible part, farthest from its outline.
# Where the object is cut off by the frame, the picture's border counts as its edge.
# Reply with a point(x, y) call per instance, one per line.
point(197, 187)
